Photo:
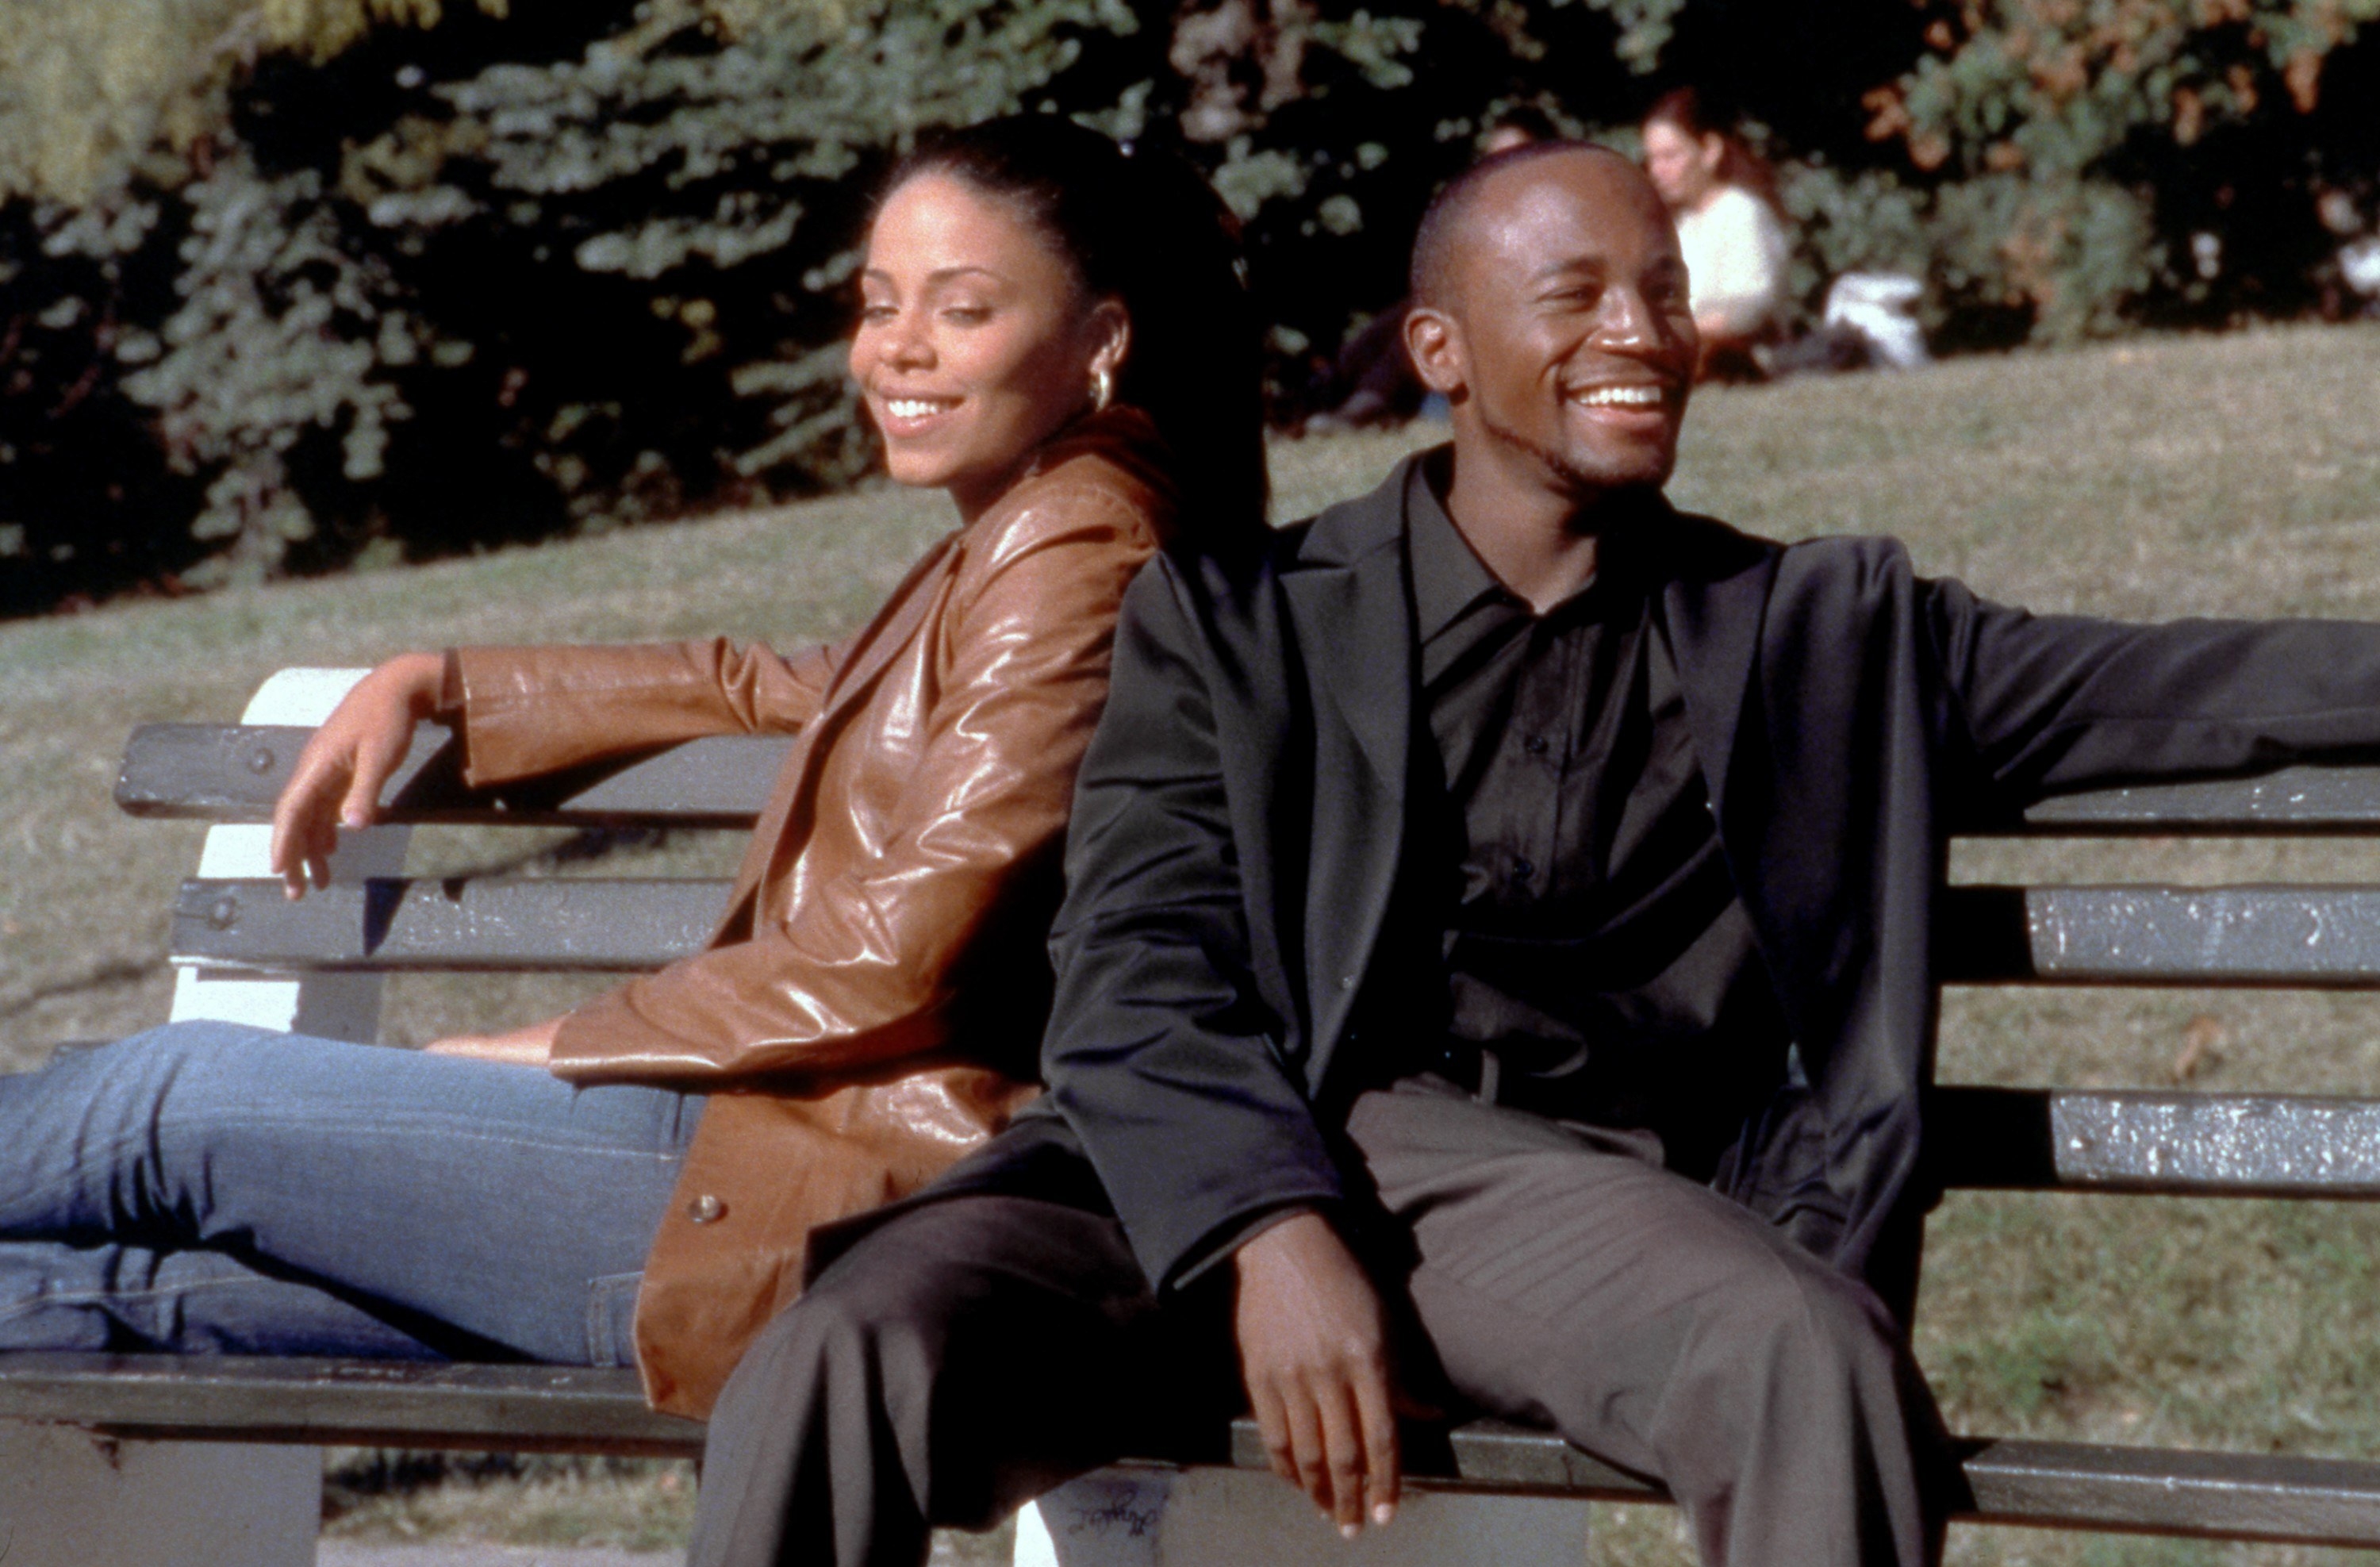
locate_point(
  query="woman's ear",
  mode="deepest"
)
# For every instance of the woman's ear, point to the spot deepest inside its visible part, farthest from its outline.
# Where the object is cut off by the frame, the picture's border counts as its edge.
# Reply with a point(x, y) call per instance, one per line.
point(1111, 334)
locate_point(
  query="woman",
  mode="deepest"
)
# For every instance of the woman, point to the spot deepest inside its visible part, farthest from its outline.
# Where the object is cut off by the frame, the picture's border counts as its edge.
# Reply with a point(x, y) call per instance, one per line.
point(1052, 333)
point(1720, 195)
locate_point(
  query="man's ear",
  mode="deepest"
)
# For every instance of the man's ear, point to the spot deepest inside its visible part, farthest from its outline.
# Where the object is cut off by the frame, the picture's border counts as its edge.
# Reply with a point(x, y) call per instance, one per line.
point(1434, 342)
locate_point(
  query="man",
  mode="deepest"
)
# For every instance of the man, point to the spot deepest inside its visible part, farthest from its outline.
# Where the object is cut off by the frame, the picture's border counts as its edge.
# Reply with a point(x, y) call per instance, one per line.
point(1496, 970)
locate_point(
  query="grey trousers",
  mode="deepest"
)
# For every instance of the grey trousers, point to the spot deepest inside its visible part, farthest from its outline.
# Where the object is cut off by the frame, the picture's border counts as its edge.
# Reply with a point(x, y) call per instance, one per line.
point(971, 1353)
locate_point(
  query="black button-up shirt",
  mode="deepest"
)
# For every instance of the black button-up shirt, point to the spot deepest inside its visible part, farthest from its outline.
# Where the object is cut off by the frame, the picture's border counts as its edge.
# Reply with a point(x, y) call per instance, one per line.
point(1592, 938)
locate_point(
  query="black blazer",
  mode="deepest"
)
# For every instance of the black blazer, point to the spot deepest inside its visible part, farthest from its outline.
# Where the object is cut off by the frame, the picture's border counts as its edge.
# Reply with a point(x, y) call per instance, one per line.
point(1240, 813)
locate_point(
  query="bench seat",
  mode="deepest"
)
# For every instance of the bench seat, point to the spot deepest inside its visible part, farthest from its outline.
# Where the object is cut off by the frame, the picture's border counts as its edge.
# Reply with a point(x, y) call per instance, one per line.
point(232, 1398)
point(227, 926)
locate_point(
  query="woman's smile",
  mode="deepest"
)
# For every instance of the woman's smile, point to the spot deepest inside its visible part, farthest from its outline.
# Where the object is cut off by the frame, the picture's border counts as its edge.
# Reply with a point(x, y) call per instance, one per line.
point(909, 415)
point(975, 343)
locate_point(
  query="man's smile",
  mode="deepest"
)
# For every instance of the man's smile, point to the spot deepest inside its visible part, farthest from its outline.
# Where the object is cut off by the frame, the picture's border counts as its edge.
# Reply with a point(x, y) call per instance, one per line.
point(1631, 395)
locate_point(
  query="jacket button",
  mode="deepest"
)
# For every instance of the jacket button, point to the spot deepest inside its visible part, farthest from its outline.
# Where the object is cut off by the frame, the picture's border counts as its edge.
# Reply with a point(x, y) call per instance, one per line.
point(706, 1210)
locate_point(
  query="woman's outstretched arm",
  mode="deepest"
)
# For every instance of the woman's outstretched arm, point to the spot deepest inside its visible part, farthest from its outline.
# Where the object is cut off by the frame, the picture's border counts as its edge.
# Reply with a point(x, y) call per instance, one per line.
point(858, 967)
point(339, 774)
point(536, 709)
point(523, 712)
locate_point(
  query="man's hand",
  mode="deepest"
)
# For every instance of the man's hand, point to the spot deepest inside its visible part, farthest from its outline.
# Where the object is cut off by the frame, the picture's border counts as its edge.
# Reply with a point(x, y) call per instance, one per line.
point(337, 780)
point(1314, 1353)
point(531, 1046)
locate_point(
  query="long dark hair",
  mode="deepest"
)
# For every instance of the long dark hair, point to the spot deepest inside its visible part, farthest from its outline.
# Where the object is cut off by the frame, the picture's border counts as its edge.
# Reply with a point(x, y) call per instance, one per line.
point(1143, 228)
point(1738, 165)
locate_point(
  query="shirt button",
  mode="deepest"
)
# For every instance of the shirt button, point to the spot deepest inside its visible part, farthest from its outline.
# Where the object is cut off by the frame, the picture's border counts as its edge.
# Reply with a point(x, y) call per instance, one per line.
point(1535, 744)
point(706, 1210)
point(1523, 869)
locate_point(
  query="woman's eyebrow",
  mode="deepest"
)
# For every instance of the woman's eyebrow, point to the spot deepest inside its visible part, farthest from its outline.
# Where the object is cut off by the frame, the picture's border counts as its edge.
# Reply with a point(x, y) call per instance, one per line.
point(939, 275)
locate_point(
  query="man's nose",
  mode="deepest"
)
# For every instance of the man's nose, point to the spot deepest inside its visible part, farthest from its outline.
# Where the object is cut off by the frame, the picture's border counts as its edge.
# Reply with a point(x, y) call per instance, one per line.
point(1630, 322)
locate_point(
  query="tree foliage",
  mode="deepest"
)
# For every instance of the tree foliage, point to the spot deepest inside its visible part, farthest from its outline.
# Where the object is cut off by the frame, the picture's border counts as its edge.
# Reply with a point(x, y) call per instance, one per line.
point(288, 284)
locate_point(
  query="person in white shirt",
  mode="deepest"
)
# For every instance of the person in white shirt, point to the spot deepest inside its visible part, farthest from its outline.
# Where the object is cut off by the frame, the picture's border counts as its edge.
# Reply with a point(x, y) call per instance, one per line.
point(1729, 230)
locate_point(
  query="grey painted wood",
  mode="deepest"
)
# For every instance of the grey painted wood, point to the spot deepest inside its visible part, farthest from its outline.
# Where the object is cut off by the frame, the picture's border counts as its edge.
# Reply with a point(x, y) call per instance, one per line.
point(234, 773)
point(389, 924)
point(2142, 1491)
point(2317, 936)
point(409, 1404)
point(2310, 800)
point(2169, 1143)
point(2255, 1496)
point(2311, 936)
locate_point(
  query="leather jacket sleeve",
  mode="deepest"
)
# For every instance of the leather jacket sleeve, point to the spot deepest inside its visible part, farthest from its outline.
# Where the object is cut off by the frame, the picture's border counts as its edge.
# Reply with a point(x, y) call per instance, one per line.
point(850, 963)
point(525, 710)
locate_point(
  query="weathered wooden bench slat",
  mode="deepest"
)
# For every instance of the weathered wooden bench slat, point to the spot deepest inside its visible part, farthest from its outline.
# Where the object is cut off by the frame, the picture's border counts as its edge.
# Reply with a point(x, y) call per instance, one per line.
point(2154, 1141)
point(2310, 800)
point(2309, 1501)
point(2256, 1496)
point(234, 773)
point(386, 1402)
point(2320, 935)
point(390, 924)
point(2326, 936)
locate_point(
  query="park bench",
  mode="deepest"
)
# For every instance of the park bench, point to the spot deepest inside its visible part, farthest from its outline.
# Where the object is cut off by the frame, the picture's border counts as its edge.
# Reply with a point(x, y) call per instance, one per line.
point(1484, 1492)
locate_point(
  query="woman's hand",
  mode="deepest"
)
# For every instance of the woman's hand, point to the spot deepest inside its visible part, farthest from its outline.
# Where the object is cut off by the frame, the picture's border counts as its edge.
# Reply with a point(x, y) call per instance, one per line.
point(337, 780)
point(531, 1046)
point(1314, 1352)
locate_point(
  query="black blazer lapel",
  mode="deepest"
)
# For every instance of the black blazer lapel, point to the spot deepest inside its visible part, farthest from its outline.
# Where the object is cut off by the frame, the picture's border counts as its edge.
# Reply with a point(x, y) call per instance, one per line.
point(1351, 618)
point(1714, 608)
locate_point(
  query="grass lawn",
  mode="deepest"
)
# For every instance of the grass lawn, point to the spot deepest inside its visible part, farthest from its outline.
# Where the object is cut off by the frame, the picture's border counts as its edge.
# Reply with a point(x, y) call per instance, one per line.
point(2199, 476)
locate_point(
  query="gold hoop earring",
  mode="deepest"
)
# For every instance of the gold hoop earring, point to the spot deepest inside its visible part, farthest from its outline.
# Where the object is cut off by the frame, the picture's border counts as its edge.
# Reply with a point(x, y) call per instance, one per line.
point(1102, 389)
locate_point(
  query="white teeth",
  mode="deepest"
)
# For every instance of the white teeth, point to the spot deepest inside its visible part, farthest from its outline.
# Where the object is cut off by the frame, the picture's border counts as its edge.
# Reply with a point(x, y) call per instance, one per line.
point(1619, 397)
point(914, 407)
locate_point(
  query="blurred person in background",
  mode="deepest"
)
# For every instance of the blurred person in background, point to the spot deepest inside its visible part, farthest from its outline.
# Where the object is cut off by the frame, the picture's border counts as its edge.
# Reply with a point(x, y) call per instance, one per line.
point(1722, 197)
point(2350, 280)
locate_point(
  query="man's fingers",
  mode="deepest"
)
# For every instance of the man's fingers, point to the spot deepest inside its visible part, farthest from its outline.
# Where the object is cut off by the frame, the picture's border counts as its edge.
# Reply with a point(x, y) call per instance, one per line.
point(1376, 1410)
point(1342, 1445)
point(1306, 1449)
point(1273, 1421)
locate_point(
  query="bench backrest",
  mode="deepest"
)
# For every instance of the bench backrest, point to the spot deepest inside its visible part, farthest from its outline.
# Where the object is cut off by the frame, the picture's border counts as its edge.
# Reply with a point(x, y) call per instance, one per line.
point(372, 921)
point(246, 952)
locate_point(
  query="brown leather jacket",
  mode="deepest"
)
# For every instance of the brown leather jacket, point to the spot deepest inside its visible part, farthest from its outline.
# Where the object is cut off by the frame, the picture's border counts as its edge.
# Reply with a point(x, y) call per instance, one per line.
point(870, 1007)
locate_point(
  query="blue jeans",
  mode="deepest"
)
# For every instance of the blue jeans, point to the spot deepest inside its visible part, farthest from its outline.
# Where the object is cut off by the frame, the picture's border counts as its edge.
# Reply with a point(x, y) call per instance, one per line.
point(210, 1186)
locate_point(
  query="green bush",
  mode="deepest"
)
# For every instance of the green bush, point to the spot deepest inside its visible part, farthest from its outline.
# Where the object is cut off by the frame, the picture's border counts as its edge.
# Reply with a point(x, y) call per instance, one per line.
point(290, 285)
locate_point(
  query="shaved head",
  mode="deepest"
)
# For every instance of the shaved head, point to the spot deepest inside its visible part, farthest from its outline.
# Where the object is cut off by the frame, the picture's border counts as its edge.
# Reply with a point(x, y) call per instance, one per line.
point(1552, 312)
point(1443, 226)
